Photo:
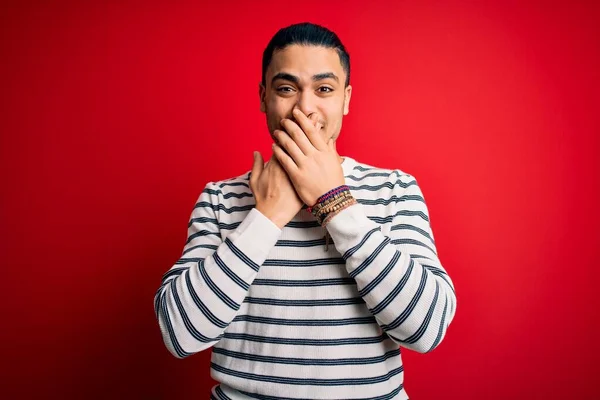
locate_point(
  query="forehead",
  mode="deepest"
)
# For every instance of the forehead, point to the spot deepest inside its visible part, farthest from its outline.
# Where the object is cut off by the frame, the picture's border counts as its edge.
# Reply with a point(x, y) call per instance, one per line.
point(305, 61)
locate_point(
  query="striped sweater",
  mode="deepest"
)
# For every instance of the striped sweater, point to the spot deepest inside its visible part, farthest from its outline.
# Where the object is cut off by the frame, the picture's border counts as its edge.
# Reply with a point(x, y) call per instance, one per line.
point(287, 319)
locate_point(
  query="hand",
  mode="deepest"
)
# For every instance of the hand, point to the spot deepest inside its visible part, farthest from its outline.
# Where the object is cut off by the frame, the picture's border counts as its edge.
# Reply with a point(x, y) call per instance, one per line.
point(312, 164)
point(273, 191)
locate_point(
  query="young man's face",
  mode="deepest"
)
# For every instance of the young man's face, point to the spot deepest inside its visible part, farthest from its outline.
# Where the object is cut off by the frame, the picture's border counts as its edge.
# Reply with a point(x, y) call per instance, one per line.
point(308, 77)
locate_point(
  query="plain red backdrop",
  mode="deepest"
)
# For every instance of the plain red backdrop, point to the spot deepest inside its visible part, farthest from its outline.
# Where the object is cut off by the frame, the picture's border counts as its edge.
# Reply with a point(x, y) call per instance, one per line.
point(114, 116)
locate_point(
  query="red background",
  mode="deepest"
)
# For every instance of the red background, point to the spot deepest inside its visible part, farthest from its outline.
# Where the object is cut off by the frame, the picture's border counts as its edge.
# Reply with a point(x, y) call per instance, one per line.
point(115, 116)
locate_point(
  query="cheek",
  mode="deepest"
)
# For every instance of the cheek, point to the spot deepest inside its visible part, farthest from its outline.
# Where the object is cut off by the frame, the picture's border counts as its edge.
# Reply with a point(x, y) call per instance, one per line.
point(277, 109)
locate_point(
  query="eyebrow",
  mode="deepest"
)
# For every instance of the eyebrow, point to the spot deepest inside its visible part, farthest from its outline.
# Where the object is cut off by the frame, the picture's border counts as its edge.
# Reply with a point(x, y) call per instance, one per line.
point(295, 79)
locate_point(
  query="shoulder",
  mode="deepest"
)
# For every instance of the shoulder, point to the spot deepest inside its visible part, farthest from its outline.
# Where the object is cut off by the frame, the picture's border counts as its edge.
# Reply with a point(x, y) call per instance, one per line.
point(230, 184)
point(230, 190)
point(366, 174)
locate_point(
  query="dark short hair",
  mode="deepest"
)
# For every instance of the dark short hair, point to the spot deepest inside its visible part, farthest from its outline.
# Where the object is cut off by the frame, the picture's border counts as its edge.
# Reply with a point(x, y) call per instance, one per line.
point(305, 33)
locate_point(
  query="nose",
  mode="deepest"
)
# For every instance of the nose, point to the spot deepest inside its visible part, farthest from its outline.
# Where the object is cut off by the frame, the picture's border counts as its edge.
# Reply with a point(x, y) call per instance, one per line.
point(306, 103)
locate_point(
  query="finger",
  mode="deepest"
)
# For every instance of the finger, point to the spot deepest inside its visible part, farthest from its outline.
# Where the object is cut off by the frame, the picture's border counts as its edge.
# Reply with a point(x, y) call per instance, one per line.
point(309, 129)
point(289, 146)
point(257, 167)
point(298, 135)
point(318, 125)
point(284, 160)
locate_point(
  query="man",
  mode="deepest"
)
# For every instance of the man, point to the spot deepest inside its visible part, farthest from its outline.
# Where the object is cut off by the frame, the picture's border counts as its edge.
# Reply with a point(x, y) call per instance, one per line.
point(288, 312)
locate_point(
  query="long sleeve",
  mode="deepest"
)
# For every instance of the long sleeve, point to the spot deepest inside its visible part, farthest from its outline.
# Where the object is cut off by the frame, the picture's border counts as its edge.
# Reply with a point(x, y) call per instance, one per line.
point(399, 277)
point(201, 294)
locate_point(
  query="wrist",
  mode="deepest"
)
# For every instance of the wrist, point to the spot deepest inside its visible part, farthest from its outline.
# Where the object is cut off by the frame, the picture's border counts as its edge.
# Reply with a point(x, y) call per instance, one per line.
point(331, 203)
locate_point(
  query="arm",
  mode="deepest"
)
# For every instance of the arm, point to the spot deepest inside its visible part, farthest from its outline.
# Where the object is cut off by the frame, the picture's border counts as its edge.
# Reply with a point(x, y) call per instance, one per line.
point(202, 293)
point(399, 277)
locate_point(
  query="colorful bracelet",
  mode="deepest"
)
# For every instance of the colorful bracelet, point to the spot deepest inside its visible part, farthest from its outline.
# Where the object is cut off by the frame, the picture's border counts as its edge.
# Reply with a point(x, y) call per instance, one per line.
point(322, 209)
point(331, 203)
point(332, 206)
point(328, 195)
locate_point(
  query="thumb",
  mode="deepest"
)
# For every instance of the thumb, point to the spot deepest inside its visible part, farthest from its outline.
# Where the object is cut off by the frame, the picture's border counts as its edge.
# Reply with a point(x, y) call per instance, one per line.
point(258, 165)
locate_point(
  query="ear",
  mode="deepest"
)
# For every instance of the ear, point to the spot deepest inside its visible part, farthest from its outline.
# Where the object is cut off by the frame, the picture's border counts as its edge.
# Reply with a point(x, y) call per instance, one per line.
point(347, 95)
point(261, 94)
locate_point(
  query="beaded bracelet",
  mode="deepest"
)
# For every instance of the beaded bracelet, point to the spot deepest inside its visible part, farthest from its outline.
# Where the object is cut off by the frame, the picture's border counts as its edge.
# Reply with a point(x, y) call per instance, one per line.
point(321, 210)
point(329, 205)
point(319, 207)
point(328, 195)
point(332, 206)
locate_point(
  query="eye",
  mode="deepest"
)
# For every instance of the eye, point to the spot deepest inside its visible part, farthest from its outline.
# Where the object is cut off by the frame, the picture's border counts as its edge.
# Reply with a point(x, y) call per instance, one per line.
point(325, 89)
point(284, 89)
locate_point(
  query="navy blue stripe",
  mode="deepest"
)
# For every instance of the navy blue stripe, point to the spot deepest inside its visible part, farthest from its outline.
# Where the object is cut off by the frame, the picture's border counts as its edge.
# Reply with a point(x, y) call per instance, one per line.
point(402, 213)
point(304, 263)
point(300, 243)
point(203, 220)
point(385, 174)
point(221, 394)
point(394, 199)
point(370, 188)
point(304, 283)
point(367, 261)
point(354, 249)
point(217, 290)
point(387, 184)
point(229, 272)
point(381, 276)
point(226, 183)
point(202, 233)
point(221, 207)
point(204, 246)
point(411, 306)
point(229, 194)
point(306, 342)
point(174, 272)
point(415, 242)
point(303, 224)
point(361, 168)
point(220, 225)
point(304, 303)
point(308, 381)
point(241, 255)
point(186, 320)
point(438, 338)
point(185, 260)
point(411, 228)
point(391, 395)
point(200, 304)
point(419, 333)
point(306, 322)
point(308, 361)
point(392, 295)
point(441, 274)
point(157, 298)
point(167, 320)
point(315, 224)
